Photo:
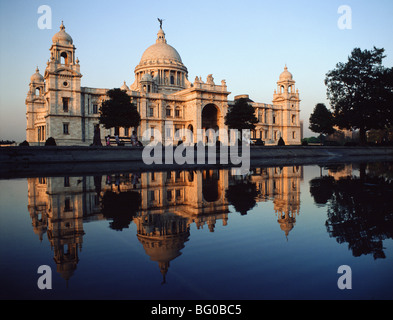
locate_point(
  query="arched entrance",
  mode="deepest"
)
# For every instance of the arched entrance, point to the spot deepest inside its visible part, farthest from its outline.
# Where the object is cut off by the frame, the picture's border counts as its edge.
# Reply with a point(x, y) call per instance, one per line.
point(210, 116)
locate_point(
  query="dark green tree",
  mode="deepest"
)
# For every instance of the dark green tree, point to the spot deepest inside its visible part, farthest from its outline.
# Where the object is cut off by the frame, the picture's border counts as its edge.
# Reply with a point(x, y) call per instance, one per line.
point(321, 120)
point(361, 92)
point(119, 111)
point(241, 115)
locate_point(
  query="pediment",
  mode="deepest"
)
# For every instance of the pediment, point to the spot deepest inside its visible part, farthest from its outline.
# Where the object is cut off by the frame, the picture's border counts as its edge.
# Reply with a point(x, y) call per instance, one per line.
point(67, 72)
point(281, 99)
point(63, 71)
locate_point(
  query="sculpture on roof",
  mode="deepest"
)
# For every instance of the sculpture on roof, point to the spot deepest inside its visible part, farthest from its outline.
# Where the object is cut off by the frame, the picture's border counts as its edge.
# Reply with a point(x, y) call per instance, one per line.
point(160, 20)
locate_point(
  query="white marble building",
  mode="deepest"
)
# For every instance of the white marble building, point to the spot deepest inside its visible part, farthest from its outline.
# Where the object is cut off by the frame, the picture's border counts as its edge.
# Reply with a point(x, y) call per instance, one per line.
point(58, 106)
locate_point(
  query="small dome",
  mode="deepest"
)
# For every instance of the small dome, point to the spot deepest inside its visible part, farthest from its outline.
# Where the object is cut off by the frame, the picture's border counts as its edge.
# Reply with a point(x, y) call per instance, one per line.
point(286, 75)
point(147, 77)
point(62, 37)
point(124, 87)
point(36, 77)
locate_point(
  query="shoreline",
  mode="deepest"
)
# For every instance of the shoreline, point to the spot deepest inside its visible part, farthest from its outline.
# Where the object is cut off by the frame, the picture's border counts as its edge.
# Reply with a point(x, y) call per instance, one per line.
point(22, 162)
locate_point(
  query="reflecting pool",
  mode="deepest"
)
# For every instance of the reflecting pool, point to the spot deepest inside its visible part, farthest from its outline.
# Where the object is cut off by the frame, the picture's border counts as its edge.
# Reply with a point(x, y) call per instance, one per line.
point(275, 233)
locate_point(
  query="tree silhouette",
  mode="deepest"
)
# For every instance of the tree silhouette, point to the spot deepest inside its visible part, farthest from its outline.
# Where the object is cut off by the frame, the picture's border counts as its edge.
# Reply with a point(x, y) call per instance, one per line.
point(321, 120)
point(118, 111)
point(361, 92)
point(241, 115)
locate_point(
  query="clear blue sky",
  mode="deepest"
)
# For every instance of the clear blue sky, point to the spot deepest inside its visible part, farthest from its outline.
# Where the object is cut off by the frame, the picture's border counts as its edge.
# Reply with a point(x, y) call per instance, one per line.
point(246, 42)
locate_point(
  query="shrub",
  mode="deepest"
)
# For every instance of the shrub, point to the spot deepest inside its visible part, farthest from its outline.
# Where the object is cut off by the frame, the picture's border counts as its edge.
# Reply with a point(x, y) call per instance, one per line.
point(314, 140)
point(50, 142)
point(24, 144)
point(331, 143)
point(259, 142)
point(281, 142)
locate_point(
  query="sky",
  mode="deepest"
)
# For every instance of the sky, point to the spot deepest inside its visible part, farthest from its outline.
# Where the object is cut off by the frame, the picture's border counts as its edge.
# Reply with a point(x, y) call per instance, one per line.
point(247, 43)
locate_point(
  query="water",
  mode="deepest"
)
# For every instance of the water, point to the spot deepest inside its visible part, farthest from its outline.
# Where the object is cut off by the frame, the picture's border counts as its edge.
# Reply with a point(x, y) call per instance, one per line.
point(277, 233)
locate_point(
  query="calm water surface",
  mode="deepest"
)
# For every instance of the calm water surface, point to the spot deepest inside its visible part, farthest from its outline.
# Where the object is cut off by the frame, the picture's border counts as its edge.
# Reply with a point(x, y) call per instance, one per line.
point(277, 233)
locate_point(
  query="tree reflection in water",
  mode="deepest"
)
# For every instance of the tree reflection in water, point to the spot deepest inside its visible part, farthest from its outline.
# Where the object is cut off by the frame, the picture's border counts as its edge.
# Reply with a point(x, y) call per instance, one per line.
point(120, 208)
point(359, 209)
point(242, 195)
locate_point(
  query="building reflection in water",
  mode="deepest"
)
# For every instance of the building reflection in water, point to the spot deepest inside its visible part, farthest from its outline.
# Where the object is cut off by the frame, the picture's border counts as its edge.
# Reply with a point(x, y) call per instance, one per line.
point(162, 205)
point(282, 186)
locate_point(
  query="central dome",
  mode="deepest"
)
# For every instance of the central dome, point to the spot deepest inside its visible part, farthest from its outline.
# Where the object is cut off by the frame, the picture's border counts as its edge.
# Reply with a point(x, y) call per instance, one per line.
point(160, 51)
point(160, 69)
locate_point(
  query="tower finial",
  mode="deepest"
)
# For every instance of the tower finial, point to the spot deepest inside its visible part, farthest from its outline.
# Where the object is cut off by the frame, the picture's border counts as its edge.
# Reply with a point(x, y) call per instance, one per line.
point(62, 27)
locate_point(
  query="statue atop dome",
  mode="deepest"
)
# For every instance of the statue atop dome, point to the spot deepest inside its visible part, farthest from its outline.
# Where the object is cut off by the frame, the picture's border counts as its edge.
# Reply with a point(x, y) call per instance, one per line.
point(160, 21)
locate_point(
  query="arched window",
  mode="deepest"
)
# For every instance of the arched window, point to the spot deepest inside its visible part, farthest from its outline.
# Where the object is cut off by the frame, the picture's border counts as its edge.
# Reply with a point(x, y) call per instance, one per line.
point(172, 80)
point(64, 58)
point(168, 112)
point(37, 91)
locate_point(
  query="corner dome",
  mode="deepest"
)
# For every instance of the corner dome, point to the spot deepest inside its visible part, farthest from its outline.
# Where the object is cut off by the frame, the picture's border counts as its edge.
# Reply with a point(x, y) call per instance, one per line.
point(147, 78)
point(62, 37)
point(286, 75)
point(124, 87)
point(36, 77)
